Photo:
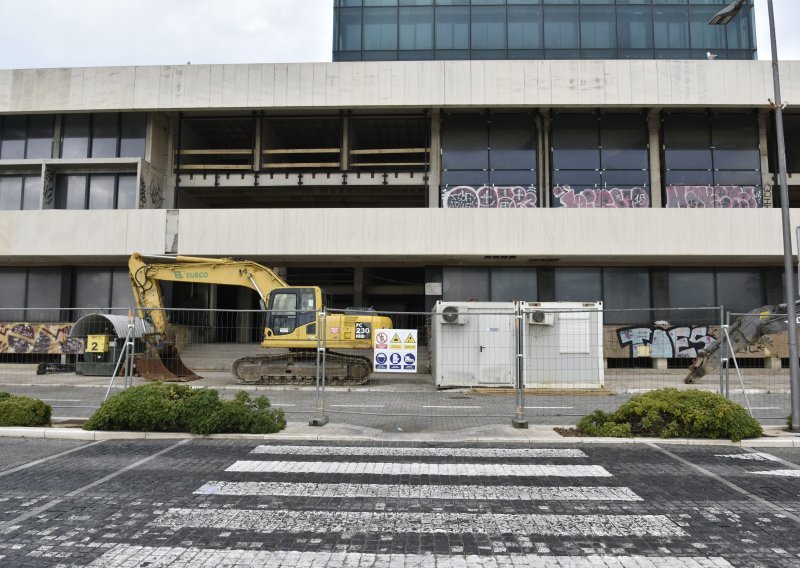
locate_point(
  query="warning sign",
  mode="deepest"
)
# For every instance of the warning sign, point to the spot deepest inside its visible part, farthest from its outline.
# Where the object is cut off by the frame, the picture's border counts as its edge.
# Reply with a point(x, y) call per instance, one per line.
point(396, 351)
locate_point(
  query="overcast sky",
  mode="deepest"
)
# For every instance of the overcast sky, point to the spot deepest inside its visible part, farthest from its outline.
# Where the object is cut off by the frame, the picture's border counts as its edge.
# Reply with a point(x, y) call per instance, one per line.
point(85, 33)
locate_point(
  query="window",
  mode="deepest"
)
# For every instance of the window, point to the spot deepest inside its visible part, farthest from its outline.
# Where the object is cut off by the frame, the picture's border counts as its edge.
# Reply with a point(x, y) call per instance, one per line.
point(452, 27)
point(598, 27)
point(26, 136)
point(116, 191)
point(511, 284)
point(20, 192)
point(561, 27)
point(30, 294)
point(635, 27)
point(350, 29)
point(104, 135)
point(496, 284)
point(578, 285)
point(712, 160)
point(380, 29)
point(489, 160)
point(525, 27)
point(671, 27)
point(600, 160)
point(416, 28)
point(488, 27)
point(626, 296)
point(104, 289)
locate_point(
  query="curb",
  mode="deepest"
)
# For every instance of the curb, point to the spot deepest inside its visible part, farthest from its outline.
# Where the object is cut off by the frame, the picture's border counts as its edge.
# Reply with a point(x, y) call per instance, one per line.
point(305, 433)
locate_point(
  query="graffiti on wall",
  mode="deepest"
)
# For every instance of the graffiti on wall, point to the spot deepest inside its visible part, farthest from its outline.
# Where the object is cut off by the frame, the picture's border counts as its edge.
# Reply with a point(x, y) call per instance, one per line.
point(42, 338)
point(714, 196)
point(566, 196)
point(666, 342)
point(493, 197)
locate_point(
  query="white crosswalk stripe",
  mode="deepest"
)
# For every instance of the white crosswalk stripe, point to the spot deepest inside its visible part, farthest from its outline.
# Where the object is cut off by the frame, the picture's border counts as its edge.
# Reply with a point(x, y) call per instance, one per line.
point(486, 453)
point(399, 522)
point(426, 492)
point(388, 468)
point(126, 556)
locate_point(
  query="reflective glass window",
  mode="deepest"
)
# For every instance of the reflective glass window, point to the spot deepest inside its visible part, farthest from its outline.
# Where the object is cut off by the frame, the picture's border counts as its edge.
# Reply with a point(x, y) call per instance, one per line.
point(92, 290)
point(465, 284)
point(634, 27)
point(416, 28)
point(101, 192)
point(689, 288)
point(734, 138)
point(104, 135)
point(561, 27)
point(578, 285)
point(510, 284)
point(626, 290)
point(576, 143)
point(740, 290)
point(740, 31)
point(126, 192)
point(488, 27)
point(40, 136)
point(12, 143)
point(452, 27)
point(12, 300)
point(71, 191)
point(31, 192)
point(10, 193)
point(525, 28)
point(465, 142)
point(75, 136)
point(380, 28)
point(133, 133)
point(671, 27)
point(703, 35)
point(44, 292)
point(121, 293)
point(512, 141)
point(350, 29)
point(598, 27)
point(687, 142)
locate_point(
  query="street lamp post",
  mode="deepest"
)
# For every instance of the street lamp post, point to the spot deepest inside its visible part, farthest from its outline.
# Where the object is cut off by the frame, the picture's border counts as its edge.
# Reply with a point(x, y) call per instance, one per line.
point(722, 18)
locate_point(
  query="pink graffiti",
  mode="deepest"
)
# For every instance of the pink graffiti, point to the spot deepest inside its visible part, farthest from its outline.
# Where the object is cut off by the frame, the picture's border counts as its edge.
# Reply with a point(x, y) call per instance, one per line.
point(713, 196)
point(615, 197)
point(493, 197)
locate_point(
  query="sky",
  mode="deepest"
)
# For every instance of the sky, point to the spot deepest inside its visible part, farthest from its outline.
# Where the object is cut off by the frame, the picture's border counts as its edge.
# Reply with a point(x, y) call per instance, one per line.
point(88, 33)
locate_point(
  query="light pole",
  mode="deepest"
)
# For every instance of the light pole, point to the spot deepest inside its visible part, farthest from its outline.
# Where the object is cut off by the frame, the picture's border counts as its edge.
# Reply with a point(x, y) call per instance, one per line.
point(722, 18)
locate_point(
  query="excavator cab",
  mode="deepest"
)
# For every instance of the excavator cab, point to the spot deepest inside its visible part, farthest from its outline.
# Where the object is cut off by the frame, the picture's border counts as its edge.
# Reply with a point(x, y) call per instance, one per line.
point(290, 309)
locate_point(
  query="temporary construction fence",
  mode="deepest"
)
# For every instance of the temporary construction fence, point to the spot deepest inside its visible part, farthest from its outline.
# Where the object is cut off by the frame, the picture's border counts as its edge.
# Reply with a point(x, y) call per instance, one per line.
point(464, 364)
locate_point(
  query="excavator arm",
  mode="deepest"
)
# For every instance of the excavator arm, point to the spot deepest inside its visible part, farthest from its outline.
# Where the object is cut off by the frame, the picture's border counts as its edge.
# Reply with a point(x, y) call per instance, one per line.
point(744, 333)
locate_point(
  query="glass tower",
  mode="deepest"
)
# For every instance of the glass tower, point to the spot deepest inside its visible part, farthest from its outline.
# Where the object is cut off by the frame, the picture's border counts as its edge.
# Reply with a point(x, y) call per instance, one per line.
point(389, 30)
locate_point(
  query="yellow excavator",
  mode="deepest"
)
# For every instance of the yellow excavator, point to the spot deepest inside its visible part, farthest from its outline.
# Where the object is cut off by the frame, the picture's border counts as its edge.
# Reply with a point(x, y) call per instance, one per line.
point(292, 323)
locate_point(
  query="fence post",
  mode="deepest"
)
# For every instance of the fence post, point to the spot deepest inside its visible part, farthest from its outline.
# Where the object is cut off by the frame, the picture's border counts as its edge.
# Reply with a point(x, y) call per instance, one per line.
point(519, 411)
point(130, 350)
point(723, 322)
point(320, 419)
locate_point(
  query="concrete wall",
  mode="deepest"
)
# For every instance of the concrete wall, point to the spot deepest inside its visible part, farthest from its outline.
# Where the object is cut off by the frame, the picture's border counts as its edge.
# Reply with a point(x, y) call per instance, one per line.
point(437, 236)
point(606, 83)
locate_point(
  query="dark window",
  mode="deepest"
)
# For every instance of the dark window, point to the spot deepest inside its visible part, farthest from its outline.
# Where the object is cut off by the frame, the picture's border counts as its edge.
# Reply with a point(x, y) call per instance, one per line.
point(691, 288)
point(703, 35)
point(671, 27)
point(525, 28)
point(488, 27)
point(121, 293)
point(31, 192)
point(10, 193)
point(740, 290)
point(561, 27)
point(101, 192)
point(40, 136)
point(380, 29)
point(133, 126)
point(13, 282)
point(598, 28)
point(578, 285)
point(12, 145)
point(91, 290)
point(465, 284)
point(626, 296)
point(510, 284)
point(44, 292)
point(350, 29)
point(635, 27)
point(75, 136)
point(104, 135)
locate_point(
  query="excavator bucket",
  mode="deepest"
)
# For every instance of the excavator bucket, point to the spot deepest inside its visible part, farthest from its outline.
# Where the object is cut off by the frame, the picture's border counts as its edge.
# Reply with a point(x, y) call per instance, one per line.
point(164, 364)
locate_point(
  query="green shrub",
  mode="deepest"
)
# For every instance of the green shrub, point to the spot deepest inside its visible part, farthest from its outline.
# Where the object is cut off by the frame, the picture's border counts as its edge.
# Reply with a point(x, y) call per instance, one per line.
point(23, 411)
point(672, 413)
point(163, 407)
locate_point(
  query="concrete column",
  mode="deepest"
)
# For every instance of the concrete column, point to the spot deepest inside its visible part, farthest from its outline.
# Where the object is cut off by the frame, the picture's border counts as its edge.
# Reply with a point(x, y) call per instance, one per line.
point(543, 157)
point(257, 146)
point(767, 179)
point(654, 131)
point(245, 319)
point(344, 155)
point(56, 150)
point(359, 299)
point(435, 160)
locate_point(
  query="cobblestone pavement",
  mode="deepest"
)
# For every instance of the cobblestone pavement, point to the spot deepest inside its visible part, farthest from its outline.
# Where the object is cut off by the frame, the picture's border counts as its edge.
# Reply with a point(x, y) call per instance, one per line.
point(255, 503)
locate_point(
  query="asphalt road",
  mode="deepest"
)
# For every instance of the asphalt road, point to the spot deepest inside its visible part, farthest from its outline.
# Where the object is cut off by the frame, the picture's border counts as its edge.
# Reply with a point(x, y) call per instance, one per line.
point(252, 503)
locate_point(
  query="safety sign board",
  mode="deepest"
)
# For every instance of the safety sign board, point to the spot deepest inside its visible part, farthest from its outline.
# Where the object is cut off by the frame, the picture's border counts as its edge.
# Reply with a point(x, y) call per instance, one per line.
point(395, 351)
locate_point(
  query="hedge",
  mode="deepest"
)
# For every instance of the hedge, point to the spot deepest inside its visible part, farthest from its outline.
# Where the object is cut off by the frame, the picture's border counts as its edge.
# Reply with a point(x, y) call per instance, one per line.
point(23, 411)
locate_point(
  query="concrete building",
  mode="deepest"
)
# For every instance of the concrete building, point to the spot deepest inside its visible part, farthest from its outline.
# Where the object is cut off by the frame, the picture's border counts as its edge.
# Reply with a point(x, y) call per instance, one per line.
point(639, 182)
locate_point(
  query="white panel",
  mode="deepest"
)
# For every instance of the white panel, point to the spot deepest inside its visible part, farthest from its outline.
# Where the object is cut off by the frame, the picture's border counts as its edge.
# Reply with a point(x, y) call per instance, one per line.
point(125, 555)
point(419, 452)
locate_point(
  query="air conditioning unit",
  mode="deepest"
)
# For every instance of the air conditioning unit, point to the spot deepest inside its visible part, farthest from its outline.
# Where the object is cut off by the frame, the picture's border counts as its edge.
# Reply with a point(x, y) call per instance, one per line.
point(539, 317)
point(454, 315)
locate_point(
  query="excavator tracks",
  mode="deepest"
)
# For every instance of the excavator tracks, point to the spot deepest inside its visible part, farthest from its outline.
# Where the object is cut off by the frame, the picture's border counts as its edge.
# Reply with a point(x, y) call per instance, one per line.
point(299, 367)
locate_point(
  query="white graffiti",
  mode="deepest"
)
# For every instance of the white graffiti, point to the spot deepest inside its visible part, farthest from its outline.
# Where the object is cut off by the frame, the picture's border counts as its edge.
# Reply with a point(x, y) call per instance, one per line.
point(615, 197)
point(667, 343)
point(714, 196)
point(492, 197)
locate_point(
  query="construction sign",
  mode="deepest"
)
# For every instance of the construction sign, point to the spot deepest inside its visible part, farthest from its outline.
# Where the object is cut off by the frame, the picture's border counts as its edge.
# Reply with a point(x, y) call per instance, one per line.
point(395, 351)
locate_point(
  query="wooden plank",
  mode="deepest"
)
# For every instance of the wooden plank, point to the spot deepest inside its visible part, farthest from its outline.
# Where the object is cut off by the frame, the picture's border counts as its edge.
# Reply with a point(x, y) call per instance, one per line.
point(303, 165)
point(215, 167)
point(215, 152)
point(387, 164)
point(302, 151)
point(390, 151)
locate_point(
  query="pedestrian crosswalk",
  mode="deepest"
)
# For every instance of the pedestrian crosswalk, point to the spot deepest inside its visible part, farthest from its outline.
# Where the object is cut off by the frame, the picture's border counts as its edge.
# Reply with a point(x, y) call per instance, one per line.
point(313, 506)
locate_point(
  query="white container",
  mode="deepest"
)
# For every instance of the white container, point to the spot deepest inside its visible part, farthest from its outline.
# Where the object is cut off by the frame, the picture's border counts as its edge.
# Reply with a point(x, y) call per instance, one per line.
point(473, 344)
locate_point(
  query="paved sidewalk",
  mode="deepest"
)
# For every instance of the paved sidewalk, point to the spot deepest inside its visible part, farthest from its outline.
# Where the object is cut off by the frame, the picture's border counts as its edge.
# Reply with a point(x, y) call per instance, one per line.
point(775, 437)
